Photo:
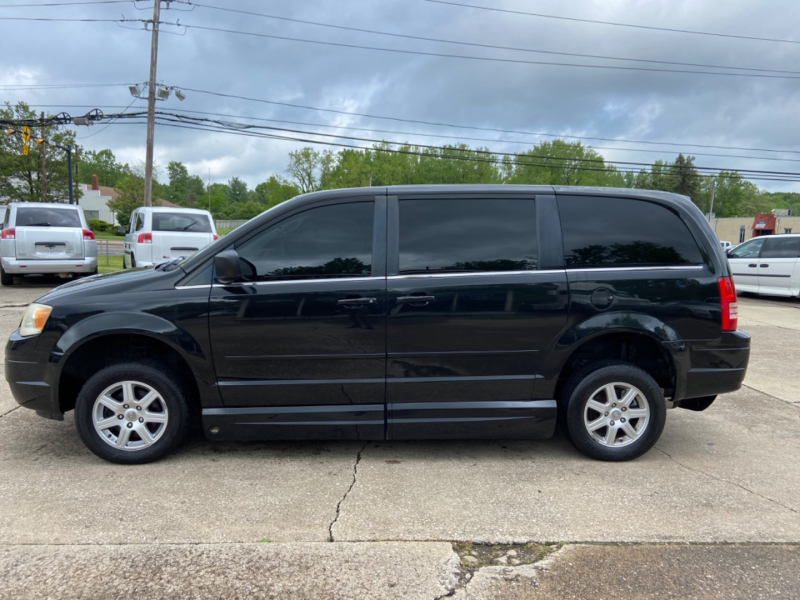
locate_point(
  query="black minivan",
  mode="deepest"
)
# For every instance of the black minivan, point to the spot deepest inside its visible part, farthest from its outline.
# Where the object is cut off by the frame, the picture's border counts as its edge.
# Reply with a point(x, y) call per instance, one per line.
point(400, 313)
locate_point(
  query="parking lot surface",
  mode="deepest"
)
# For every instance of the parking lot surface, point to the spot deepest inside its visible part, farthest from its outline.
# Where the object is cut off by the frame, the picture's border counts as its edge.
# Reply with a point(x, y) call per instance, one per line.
point(377, 519)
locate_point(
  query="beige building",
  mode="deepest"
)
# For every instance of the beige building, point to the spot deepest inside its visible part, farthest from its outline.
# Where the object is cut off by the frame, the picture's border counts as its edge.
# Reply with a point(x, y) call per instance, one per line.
point(740, 229)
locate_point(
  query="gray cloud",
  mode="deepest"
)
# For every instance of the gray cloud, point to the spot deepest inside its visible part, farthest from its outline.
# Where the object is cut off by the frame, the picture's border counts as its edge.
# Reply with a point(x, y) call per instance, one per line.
point(703, 109)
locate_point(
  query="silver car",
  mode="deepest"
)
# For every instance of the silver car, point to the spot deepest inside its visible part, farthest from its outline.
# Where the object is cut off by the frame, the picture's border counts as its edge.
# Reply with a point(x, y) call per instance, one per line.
point(45, 238)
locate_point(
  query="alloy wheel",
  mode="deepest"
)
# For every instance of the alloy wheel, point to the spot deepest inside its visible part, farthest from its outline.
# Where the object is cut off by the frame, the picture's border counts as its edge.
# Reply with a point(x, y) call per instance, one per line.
point(616, 414)
point(130, 416)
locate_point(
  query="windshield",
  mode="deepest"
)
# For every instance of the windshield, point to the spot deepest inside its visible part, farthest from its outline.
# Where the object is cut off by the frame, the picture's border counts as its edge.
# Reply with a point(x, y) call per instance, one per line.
point(46, 216)
point(178, 221)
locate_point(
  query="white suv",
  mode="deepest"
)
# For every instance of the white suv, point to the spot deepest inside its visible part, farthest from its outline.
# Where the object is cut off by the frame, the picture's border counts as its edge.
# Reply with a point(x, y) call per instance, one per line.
point(40, 238)
point(156, 235)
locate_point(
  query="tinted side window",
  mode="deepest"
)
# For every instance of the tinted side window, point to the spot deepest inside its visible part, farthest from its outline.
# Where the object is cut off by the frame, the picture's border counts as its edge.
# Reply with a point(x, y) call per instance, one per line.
point(329, 241)
point(781, 247)
point(467, 235)
point(603, 231)
point(139, 221)
point(749, 249)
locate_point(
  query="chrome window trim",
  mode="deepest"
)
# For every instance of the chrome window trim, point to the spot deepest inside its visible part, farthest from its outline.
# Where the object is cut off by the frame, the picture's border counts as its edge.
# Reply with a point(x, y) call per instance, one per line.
point(285, 281)
point(662, 268)
point(201, 286)
point(447, 275)
point(471, 274)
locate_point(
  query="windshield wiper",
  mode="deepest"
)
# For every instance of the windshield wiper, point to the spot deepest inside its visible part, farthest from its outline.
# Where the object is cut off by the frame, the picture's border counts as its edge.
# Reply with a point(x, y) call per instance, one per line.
point(165, 266)
point(192, 224)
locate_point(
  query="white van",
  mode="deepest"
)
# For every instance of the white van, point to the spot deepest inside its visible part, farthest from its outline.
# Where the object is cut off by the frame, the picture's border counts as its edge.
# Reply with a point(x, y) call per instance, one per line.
point(768, 264)
point(156, 235)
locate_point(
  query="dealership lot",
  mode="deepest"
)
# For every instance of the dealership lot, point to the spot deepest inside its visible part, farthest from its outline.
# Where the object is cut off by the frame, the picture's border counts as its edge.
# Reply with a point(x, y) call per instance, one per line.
point(727, 475)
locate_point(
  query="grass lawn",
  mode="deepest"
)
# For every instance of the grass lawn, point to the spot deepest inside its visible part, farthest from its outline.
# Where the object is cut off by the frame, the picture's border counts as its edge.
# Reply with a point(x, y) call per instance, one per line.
point(115, 263)
point(107, 235)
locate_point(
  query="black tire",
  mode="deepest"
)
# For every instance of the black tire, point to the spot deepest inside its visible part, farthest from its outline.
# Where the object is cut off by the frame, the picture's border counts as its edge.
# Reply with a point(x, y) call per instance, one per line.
point(133, 261)
point(5, 278)
point(590, 380)
point(176, 407)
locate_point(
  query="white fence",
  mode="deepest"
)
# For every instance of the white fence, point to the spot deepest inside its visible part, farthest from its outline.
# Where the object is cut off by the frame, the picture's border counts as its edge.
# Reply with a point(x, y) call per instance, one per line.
point(228, 223)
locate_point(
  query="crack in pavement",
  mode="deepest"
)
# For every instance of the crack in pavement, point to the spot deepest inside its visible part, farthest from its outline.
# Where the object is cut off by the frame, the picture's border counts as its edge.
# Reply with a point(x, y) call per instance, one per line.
point(10, 411)
point(739, 485)
point(784, 400)
point(344, 497)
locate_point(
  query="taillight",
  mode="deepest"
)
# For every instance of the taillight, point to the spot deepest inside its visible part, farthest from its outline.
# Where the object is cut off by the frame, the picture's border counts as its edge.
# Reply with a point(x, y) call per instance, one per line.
point(145, 238)
point(730, 308)
point(88, 234)
point(9, 234)
point(216, 237)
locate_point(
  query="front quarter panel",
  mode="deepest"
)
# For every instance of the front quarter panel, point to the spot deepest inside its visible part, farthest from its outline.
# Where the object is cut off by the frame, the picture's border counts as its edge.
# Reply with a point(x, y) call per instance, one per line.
point(175, 316)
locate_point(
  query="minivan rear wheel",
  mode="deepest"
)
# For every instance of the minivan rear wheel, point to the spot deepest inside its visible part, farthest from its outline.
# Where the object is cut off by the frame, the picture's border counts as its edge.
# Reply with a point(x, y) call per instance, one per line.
point(132, 413)
point(613, 411)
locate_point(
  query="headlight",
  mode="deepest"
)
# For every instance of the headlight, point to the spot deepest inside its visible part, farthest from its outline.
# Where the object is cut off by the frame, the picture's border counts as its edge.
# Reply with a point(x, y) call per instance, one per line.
point(34, 319)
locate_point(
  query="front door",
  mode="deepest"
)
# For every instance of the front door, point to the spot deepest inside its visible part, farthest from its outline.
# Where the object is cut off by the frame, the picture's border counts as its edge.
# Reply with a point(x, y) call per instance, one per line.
point(744, 264)
point(299, 347)
point(778, 266)
point(469, 311)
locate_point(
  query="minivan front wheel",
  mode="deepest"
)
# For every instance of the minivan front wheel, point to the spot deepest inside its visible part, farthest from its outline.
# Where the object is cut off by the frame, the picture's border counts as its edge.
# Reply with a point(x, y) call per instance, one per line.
point(614, 411)
point(132, 413)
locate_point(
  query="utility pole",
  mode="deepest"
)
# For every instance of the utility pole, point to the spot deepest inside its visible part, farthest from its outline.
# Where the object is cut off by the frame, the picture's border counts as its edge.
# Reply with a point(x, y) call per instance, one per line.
point(151, 108)
point(711, 209)
point(43, 150)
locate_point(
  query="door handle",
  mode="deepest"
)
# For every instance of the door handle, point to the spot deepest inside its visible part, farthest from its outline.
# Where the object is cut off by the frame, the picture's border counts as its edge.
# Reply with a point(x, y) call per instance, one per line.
point(416, 300)
point(764, 265)
point(752, 265)
point(355, 302)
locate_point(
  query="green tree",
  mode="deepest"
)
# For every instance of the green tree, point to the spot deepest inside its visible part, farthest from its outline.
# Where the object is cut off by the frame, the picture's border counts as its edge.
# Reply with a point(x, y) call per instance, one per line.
point(682, 177)
point(102, 163)
point(20, 175)
point(131, 197)
point(310, 169)
point(236, 191)
point(562, 163)
point(183, 189)
point(273, 191)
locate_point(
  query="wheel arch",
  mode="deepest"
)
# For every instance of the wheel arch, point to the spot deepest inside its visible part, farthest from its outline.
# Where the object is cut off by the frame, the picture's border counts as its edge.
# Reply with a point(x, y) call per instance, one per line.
point(638, 339)
point(101, 341)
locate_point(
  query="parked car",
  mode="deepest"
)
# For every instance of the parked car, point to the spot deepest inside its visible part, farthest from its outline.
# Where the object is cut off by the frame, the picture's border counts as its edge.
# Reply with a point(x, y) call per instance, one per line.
point(158, 234)
point(725, 244)
point(768, 265)
point(402, 313)
point(41, 238)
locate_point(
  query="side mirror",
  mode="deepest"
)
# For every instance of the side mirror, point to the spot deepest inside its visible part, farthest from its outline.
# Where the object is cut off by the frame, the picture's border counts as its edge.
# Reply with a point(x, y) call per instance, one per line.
point(121, 231)
point(226, 267)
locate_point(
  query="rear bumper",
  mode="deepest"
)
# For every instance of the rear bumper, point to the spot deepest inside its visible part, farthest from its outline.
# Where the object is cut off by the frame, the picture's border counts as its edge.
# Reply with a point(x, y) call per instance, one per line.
point(26, 372)
point(23, 266)
point(717, 367)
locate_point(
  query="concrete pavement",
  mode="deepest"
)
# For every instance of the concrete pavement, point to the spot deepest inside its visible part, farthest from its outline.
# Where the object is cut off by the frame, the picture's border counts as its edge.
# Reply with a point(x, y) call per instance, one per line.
point(728, 474)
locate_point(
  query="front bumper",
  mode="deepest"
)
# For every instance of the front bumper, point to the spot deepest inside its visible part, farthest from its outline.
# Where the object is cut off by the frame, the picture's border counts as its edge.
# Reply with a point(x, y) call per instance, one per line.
point(22, 266)
point(27, 375)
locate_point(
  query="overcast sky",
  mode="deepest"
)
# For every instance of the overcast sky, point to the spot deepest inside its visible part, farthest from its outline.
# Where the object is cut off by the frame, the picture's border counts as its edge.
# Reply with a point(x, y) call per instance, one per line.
point(748, 112)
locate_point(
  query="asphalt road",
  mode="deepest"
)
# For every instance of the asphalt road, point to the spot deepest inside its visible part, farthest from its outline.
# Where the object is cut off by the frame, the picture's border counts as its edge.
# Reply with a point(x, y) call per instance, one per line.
point(712, 512)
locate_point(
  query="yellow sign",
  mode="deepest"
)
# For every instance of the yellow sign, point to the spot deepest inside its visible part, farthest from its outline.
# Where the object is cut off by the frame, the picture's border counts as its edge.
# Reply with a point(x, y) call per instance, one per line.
point(26, 138)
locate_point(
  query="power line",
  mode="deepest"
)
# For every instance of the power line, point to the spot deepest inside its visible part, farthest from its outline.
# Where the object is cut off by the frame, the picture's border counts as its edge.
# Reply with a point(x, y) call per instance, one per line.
point(65, 3)
point(631, 25)
point(224, 126)
point(475, 44)
point(418, 134)
point(476, 128)
point(480, 58)
point(420, 154)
